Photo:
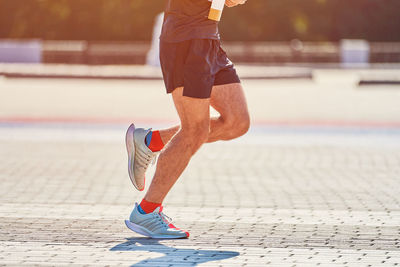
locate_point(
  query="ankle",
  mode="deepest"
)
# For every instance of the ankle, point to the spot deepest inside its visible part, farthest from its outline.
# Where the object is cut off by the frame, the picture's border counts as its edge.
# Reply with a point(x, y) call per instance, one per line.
point(154, 142)
point(147, 206)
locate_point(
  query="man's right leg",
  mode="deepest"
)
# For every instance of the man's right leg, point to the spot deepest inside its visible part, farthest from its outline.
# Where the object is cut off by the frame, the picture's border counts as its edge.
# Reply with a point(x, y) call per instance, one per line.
point(230, 102)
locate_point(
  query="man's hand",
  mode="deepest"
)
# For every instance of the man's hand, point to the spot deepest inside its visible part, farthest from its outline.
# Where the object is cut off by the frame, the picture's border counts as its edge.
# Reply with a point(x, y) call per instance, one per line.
point(232, 3)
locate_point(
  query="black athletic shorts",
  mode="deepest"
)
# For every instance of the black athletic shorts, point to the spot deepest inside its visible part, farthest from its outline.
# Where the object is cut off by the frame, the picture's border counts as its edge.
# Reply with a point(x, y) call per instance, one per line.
point(196, 65)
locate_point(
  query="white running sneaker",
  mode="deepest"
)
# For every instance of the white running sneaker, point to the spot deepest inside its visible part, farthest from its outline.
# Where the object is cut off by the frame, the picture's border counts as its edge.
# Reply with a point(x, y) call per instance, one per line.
point(139, 155)
point(154, 225)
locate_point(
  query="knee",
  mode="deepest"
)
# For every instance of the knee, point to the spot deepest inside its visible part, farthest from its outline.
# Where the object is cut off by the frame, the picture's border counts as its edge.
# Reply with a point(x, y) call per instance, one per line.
point(196, 134)
point(237, 126)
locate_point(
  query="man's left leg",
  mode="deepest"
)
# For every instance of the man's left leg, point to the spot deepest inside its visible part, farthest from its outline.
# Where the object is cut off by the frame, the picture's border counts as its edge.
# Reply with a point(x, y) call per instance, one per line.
point(234, 121)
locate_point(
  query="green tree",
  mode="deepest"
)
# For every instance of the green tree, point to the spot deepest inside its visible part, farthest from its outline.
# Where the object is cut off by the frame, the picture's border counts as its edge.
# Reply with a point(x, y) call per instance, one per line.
point(258, 20)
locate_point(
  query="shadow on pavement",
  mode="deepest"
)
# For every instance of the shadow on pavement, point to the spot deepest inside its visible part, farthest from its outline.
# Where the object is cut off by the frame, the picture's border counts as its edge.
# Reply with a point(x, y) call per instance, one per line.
point(179, 256)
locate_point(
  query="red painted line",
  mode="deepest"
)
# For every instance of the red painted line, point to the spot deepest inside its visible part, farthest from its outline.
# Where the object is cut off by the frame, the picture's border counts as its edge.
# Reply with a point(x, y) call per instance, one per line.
point(283, 123)
point(83, 120)
point(332, 123)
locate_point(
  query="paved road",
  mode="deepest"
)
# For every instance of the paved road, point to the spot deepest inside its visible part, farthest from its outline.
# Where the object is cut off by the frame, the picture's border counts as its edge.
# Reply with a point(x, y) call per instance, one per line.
point(283, 195)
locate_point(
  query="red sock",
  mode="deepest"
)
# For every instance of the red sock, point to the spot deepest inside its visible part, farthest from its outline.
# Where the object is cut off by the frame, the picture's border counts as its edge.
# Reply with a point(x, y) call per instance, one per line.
point(156, 144)
point(149, 207)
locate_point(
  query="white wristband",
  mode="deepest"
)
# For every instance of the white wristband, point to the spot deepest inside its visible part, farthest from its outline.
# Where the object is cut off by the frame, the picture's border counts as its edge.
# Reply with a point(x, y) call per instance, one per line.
point(216, 10)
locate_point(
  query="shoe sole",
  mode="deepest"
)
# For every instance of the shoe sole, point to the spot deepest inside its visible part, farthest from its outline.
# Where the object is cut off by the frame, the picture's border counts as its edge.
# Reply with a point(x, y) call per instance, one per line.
point(130, 149)
point(142, 231)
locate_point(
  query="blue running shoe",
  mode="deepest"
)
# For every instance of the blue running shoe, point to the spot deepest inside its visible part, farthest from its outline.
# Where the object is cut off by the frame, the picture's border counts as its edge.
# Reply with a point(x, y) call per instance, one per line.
point(154, 225)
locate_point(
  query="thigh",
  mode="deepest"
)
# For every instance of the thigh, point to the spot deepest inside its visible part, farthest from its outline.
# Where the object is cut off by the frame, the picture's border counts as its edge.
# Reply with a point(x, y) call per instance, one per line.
point(200, 68)
point(192, 111)
point(172, 59)
point(229, 100)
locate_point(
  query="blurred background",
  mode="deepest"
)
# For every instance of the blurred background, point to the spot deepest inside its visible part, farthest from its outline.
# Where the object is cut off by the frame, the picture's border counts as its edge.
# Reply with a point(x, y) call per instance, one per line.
point(287, 52)
point(268, 32)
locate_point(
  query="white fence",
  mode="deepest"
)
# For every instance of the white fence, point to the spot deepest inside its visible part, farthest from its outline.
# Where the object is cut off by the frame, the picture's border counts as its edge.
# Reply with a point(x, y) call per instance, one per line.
point(12, 51)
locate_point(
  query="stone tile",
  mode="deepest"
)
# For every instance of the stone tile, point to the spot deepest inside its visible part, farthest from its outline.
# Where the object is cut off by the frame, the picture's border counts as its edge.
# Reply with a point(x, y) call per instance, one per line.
point(63, 203)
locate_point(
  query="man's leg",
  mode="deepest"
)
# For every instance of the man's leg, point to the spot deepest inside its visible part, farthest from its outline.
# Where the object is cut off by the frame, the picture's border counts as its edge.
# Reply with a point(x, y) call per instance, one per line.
point(147, 218)
point(234, 120)
point(229, 100)
point(194, 115)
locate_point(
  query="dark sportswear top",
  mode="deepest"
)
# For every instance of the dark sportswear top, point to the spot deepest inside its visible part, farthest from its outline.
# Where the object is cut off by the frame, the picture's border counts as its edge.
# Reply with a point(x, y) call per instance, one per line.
point(188, 19)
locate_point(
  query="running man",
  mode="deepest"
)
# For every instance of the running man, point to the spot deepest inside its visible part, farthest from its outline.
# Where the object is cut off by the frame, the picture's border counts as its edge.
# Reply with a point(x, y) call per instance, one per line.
point(198, 74)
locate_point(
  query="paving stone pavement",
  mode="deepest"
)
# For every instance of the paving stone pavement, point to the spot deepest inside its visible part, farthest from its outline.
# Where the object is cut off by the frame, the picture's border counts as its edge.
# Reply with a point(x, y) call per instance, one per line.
point(280, 196)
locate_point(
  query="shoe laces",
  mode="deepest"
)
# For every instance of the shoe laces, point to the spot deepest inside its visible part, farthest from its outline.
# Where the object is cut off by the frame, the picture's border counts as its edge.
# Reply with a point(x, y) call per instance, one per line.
point(164, 219)
point(145, 159)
